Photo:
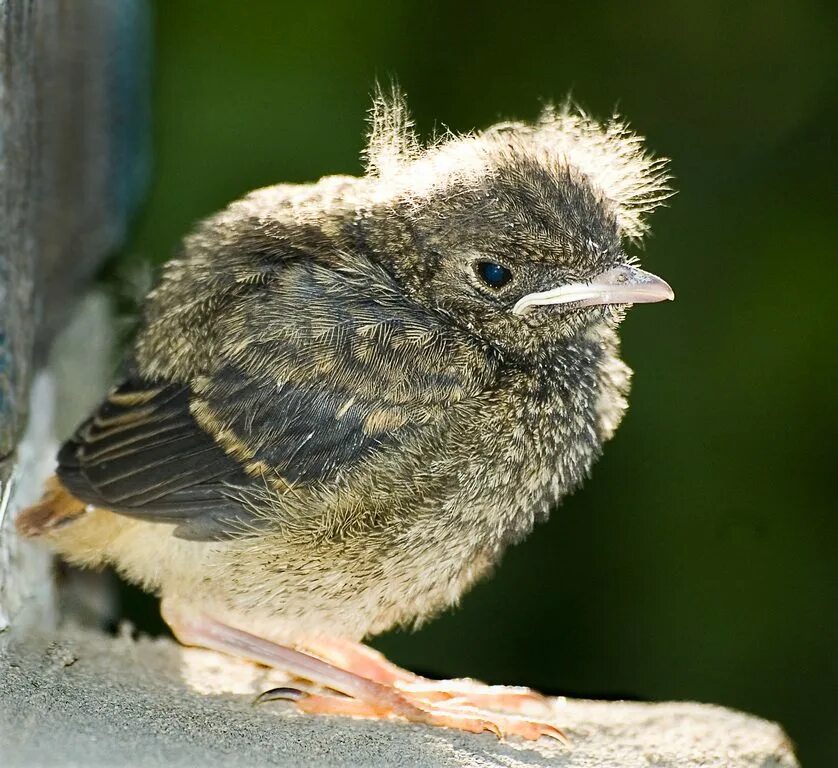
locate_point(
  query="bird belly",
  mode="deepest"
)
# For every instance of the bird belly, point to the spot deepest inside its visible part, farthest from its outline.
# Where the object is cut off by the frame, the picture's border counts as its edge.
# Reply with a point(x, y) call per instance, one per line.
point(339, 589)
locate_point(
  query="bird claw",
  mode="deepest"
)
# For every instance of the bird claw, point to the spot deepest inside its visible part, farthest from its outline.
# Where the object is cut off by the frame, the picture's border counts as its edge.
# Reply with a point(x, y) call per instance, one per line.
point(284, 693)
point(532, 730)
point(501, 725)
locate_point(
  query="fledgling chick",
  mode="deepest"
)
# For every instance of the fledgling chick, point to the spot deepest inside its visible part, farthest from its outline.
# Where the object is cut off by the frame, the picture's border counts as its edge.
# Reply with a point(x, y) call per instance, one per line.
point(348, 398)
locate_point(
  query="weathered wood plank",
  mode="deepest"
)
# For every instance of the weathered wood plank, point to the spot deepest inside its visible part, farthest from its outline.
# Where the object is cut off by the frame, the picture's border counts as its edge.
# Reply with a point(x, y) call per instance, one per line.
point(73, 164)
point(74, 114)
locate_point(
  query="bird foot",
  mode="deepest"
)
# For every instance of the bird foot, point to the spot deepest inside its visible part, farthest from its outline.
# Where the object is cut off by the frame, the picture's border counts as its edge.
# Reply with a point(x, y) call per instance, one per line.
point(448, 703)
point(447, 714)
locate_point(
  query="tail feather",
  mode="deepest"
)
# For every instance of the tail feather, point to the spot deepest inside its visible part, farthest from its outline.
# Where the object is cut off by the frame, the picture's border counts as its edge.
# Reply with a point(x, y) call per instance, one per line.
point(57, 507)
point(90, 536)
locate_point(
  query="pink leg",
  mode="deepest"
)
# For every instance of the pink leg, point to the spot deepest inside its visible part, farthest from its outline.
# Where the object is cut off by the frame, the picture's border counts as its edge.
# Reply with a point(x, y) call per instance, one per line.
point(362, 697)
point(364, 660)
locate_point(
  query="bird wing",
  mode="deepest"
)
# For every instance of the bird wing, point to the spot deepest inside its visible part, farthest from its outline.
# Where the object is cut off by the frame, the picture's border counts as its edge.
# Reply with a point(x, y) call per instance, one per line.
point(142, 454)
point(312, 378)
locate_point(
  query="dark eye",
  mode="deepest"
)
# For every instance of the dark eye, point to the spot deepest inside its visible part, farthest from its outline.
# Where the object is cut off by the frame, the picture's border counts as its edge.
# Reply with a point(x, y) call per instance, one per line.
point(494, 275)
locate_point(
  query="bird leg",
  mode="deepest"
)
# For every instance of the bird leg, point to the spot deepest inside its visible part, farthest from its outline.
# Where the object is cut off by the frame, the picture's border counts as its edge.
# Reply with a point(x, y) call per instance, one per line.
point(362, 659)
point(369, 663)
point(361, 697)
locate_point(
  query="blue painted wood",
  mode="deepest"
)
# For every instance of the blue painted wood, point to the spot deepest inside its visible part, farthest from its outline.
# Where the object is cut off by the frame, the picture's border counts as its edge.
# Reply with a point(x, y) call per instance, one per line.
point(74, 165)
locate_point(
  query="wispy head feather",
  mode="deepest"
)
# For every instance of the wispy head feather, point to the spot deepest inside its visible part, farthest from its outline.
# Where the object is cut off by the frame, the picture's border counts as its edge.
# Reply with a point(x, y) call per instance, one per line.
point(614, 160)
point(611, 156)
point(392, 140)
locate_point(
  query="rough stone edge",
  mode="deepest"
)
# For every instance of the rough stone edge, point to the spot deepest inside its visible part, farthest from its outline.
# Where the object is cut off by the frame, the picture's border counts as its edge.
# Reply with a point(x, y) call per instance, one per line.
point(80, 698)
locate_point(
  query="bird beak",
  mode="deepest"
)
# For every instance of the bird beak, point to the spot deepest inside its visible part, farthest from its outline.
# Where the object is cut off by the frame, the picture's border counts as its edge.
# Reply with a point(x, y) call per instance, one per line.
point(622, 285)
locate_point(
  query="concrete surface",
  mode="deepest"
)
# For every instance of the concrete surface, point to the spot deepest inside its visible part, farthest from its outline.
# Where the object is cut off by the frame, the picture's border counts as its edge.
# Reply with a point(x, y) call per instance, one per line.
point(84, 699)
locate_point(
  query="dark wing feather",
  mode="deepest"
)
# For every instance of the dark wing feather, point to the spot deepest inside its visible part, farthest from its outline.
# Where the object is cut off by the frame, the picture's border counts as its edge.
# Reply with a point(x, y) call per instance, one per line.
point(142, 454)
point(324, 369)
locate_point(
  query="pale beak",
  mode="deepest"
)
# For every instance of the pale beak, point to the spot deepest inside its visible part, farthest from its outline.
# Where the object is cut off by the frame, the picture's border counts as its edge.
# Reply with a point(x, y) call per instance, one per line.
point(622, 285)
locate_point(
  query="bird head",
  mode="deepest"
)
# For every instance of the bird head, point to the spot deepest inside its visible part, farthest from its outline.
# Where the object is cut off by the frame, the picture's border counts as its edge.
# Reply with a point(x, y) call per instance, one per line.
point(519, 232)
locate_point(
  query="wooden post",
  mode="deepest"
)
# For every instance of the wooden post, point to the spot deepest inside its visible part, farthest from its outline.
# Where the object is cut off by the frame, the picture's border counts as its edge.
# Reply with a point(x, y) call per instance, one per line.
point(74, 133)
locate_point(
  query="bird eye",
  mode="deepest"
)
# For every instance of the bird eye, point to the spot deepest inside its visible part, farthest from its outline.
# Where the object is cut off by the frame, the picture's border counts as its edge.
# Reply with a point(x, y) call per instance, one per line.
point(494, 275)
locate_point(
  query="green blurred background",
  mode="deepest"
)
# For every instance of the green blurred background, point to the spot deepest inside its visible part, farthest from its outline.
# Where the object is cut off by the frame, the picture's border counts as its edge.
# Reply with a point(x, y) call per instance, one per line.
point(699, 562)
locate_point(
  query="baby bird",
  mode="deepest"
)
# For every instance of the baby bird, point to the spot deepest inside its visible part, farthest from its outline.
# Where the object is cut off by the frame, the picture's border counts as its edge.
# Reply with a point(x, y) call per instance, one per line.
point(348, 398)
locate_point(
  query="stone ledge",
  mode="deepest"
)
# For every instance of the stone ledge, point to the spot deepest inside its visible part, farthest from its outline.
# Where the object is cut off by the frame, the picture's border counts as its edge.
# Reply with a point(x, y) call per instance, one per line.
point(84, 699)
